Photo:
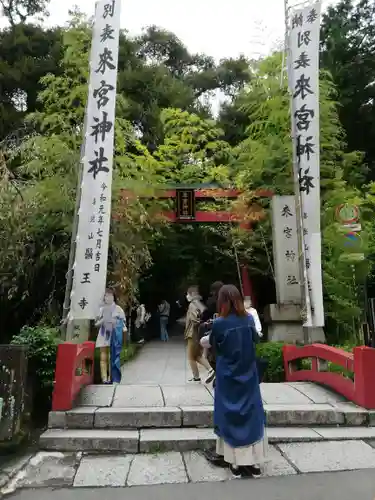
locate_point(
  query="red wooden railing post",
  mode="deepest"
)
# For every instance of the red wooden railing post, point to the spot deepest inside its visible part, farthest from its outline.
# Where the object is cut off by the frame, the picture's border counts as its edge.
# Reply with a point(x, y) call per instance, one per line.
point(64, 375)
point(364, 370)
point(287, 349)
point(67, 382)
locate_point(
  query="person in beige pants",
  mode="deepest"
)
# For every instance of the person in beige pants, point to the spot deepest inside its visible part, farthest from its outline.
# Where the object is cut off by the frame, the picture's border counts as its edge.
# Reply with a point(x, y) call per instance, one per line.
point(194, 348)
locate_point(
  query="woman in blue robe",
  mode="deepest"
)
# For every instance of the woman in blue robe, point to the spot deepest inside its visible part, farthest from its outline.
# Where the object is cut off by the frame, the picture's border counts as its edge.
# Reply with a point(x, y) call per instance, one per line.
point(116, 345)
point(112, 325)
point(239, 417)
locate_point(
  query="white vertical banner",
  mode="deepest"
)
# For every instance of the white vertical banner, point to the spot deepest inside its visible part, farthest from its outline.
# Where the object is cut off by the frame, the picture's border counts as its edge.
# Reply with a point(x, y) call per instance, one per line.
point(285, 249)
point(90, 266)
point(303, 64)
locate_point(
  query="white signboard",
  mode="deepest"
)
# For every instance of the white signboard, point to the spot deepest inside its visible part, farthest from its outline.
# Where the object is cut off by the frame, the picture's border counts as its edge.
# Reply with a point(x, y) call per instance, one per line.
point(285, 250)
point(90, 267)
point(304, 28)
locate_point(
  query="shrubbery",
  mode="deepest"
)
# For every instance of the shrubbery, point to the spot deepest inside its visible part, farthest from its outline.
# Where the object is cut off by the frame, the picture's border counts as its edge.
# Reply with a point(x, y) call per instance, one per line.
point(273, 353)
point(42, 342)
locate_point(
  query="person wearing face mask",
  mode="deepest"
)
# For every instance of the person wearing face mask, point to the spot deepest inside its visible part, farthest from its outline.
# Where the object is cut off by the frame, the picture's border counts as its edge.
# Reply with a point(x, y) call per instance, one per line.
point(262, 363)
point(112, 325)
point(254, 313)
point(193, 320)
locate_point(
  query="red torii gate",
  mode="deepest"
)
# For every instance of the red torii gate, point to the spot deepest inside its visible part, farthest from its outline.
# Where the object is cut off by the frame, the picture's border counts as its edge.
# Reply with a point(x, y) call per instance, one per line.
point(193, 194)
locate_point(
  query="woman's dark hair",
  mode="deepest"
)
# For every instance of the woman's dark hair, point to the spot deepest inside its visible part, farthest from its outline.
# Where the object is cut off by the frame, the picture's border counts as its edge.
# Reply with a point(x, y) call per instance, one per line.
point(112, 292)
point(215, 288)
point(230, 301)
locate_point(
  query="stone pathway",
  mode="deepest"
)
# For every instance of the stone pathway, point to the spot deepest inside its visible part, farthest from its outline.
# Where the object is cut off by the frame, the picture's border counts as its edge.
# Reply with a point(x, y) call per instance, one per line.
point(159, 363)
point(59, 470)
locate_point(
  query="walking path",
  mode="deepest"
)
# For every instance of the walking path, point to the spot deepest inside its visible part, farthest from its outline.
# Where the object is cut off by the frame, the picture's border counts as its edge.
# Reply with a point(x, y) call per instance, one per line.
point(159, 363)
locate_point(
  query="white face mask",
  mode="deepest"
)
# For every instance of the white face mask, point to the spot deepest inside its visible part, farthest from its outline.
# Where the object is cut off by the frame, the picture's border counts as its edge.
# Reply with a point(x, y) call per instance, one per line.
point(108, 299)
point(188, 297)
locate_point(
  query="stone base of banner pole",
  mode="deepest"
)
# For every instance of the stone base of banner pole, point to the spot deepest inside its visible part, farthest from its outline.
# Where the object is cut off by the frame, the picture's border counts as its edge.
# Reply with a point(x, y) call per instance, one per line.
point(314, 334)
point(78, 331)
point(285, 325)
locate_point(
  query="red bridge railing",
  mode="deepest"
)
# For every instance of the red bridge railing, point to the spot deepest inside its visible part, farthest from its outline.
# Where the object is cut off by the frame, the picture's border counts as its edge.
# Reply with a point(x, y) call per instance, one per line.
point(360, 389)
point(74, 369)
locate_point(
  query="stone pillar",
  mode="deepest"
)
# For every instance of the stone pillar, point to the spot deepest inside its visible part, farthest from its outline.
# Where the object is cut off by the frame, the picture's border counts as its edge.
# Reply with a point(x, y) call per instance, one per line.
point(284, 323)
point(284, 318)
point(78, 331)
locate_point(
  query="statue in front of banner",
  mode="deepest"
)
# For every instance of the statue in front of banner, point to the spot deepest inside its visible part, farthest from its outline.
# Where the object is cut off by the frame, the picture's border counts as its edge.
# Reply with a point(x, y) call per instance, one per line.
point(112, 325)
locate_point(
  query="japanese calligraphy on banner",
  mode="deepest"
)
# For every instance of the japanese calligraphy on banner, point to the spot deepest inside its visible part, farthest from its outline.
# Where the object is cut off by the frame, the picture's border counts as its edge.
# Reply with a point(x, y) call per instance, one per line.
point(285, 246)
point(303, 64)
point(90, 267)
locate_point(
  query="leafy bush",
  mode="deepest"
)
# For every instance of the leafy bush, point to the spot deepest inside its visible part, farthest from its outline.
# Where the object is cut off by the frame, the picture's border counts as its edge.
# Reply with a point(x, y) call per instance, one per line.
point(273, 353)
point(42, 342)
point(128, 352)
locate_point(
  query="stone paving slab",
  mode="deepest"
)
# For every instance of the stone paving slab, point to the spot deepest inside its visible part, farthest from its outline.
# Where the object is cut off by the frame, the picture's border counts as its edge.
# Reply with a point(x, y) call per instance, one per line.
point(184, 439)
point(134, 396)
point(197, 416)
point(277, 464)
point(12, 468)
point(90, 440)
point(103, 470)
point(303, 414)
point(316, 393)
point(57, 419)
point(330, 455)
point(81, 417)
point(353, 414)
point(187, 395)
point(290, 434)
point(273, 393)
point(96, 395)
point(200, 470)
point(165, 468)
point(332, 433)
point(53, 469)
point(137, 418)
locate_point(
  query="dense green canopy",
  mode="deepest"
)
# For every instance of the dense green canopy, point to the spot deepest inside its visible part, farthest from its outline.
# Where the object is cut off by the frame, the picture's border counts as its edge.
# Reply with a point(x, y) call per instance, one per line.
point(166, 135)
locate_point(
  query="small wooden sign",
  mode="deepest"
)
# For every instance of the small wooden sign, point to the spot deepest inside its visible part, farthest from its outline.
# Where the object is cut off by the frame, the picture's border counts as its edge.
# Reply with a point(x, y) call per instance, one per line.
point(185, 204)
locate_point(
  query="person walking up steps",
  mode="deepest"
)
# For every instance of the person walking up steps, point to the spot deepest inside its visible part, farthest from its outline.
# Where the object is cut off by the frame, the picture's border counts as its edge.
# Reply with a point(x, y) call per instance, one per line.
point(193, 320)
point(164, 310)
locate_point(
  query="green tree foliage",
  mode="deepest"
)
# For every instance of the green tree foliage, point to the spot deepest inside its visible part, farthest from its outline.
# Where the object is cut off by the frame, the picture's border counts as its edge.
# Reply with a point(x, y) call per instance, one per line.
point(37, 198)
point(193, 150)
point(27, 53)
point(18, 11)
point(165, 135)
point(263, 160)
point(348, 52)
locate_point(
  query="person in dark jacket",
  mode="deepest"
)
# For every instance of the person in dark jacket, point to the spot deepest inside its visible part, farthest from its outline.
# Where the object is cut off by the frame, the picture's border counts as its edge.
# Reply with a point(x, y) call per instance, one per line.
point(206, 324)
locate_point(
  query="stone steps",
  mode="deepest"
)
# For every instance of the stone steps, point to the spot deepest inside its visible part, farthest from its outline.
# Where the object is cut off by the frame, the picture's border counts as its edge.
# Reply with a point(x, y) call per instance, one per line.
point(182, 439)
point(91, 417)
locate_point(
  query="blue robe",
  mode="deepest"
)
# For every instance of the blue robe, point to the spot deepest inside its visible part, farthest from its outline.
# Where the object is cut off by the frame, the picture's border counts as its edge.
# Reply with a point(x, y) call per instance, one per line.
point(239, 417)
point(116, 347)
